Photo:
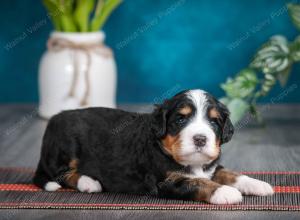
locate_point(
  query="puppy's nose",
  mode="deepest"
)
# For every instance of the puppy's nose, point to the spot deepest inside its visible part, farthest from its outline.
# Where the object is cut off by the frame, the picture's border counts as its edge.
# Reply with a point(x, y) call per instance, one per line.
point(199, 140)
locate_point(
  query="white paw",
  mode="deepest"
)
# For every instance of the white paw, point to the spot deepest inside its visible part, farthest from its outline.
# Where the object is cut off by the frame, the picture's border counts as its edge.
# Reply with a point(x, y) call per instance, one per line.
point(250, 186)
point(87, 184)
point(226, 195)
point(52, 186)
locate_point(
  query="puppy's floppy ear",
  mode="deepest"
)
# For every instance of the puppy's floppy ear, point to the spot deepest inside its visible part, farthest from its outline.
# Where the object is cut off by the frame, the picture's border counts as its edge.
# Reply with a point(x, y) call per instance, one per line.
point(228, 129)
point(160, 120)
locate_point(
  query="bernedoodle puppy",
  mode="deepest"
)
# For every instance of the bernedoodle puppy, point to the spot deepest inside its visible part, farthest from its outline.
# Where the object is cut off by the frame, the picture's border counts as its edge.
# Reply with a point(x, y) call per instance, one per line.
point(171, 153)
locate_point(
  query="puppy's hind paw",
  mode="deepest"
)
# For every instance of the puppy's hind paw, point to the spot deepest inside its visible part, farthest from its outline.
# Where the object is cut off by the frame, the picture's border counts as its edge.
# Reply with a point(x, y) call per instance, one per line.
point(52, 186)
point(87, 184)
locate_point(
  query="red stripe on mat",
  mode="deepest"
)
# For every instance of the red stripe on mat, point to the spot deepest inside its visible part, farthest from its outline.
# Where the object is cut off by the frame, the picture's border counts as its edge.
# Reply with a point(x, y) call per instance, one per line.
point(286, 189)
point(31, 187)
point(70, 205)
point(24, 187)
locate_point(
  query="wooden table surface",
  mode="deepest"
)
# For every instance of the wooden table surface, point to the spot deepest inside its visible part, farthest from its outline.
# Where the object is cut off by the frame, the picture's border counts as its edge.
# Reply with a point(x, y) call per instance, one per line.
point(273, 147)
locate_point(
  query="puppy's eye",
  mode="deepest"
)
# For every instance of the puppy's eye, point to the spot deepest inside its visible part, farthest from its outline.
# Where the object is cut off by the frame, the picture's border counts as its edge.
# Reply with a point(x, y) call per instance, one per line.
point(214, 123)
point(180, 120)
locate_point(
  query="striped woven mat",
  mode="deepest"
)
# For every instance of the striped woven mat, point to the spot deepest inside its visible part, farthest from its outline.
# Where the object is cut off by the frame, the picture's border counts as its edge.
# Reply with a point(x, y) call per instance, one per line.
point(17, 191)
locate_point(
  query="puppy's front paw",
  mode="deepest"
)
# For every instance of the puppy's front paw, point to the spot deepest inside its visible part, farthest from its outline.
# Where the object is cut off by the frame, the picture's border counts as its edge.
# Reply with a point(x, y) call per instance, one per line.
point(250, 186)
point(226, 195)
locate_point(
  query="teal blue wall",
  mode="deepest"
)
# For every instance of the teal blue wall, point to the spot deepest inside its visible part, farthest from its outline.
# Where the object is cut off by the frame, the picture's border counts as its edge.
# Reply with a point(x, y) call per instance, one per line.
point(160, 45)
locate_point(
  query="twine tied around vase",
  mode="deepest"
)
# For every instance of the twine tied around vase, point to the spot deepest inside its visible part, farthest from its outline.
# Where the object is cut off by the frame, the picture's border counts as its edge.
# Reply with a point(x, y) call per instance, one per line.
point(58, 44)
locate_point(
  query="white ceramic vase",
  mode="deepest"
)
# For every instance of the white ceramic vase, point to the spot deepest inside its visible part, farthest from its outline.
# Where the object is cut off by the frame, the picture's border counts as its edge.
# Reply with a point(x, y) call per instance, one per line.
point(94, 71)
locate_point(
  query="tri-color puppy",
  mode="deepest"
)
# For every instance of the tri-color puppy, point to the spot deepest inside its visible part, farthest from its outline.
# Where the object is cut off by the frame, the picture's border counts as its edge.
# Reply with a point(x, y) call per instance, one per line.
point(172, 152)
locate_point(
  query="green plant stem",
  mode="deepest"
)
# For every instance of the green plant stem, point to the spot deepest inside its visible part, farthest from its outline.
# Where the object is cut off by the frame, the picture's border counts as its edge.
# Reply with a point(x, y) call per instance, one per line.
point(67, 22)
point(82, 13)
point(54, 13)
point(101, 17)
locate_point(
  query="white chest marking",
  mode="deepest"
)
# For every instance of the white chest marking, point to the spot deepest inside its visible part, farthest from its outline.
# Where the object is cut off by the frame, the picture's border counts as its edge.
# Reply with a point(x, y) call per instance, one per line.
point(198, 172)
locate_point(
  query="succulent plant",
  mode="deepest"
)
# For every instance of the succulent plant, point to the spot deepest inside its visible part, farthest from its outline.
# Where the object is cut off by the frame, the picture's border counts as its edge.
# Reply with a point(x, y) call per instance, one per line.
point(271, 63)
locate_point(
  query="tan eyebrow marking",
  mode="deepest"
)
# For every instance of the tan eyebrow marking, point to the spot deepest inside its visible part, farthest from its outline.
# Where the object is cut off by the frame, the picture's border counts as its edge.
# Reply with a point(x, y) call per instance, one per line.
point(213, 113)
point(185, 110)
